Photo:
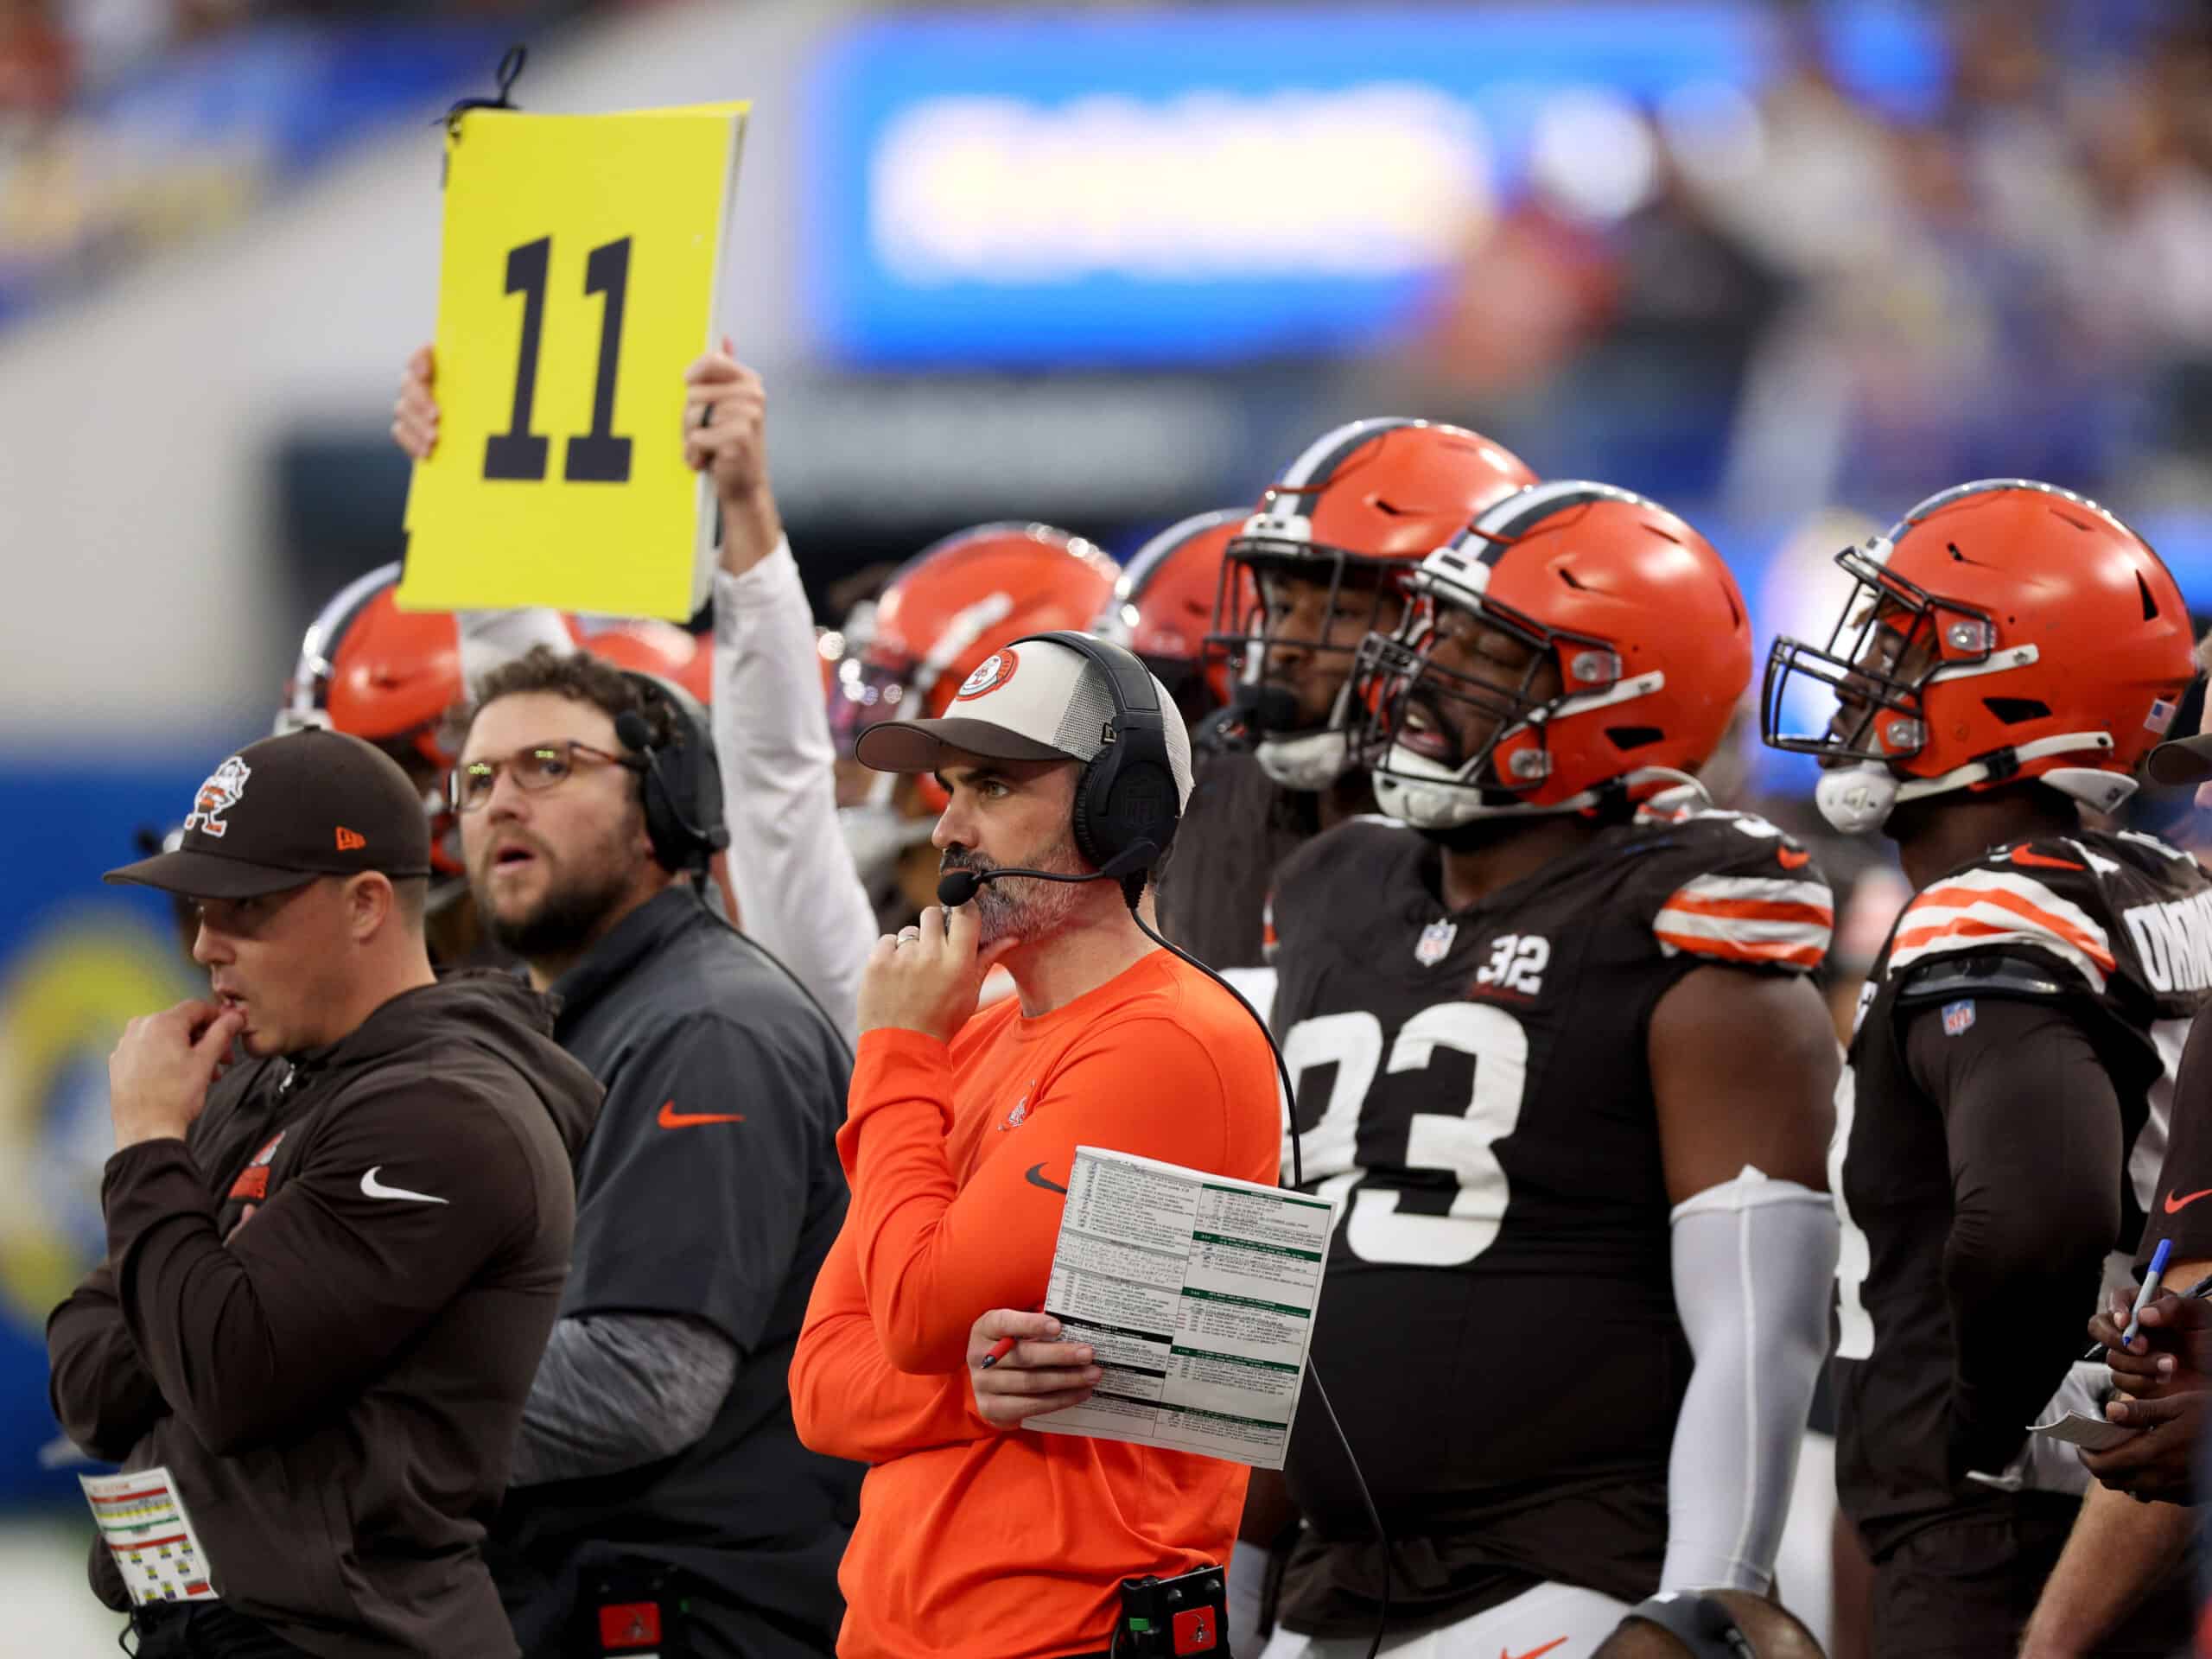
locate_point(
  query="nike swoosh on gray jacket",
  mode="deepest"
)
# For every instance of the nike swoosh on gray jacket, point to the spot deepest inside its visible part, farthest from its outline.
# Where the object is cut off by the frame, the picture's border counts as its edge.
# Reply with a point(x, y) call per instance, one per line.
point(335, 1387)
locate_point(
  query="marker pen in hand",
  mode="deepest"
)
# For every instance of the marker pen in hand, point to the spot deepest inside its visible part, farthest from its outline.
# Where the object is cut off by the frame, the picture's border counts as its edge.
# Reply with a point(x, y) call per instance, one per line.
point(1002, 1347)
point(2150, 1289)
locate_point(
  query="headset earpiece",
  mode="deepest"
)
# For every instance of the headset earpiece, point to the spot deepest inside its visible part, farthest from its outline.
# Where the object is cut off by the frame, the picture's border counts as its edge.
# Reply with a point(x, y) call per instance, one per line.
point(682, 779)
point(1126, 792)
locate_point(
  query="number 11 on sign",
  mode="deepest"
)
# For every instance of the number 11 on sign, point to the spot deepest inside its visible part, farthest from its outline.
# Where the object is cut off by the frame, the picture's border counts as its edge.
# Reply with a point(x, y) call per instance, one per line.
point(595, 457)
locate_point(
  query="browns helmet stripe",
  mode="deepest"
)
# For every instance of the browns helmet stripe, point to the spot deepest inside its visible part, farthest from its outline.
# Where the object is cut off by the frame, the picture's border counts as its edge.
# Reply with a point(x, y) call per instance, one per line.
point(1314, 468)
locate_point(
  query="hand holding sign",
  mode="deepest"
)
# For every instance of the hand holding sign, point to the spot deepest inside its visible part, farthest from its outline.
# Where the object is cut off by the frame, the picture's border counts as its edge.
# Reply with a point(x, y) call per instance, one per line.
point(725, 437)
point(581, 255)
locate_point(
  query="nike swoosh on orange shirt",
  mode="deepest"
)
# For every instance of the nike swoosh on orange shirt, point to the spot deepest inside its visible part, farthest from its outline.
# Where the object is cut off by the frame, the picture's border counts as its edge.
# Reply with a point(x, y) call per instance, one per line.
point(1533, 1653)
point(1789, 858)
point(2175, 1206)
point(2039, 860)
point(1036, 1177)
point(672, 1119)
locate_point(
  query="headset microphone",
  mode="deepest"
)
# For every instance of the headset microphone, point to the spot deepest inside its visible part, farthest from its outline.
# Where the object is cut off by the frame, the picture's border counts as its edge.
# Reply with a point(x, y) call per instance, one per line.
point(957, 888)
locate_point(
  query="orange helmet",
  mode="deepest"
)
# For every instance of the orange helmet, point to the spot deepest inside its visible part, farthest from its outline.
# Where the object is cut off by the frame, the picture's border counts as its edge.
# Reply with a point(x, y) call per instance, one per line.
point(650, 647)
point(1163, 601)
point(2002, 630)
point(369, 668)
point(1358, 511)
point(372, 669)
point(953, 605)
point(1642, 626)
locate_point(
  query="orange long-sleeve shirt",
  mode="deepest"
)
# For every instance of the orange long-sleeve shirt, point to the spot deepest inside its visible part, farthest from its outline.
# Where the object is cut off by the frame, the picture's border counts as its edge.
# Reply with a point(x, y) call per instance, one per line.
point(975, 1543)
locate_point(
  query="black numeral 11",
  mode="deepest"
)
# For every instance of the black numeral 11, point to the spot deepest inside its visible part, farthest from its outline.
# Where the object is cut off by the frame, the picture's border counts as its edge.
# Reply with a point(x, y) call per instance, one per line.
point(598, 457)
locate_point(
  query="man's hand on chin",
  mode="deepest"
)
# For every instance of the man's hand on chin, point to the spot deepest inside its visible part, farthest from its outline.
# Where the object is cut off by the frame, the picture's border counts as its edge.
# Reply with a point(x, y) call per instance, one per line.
point(160, 1073)
point(926, 976)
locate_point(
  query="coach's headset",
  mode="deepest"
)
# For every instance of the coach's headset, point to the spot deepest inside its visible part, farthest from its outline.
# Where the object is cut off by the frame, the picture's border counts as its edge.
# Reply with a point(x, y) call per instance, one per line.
point(1127, 805)
point(681, 782)
point(1700, 1623)
point(681, 779)
point(1126, 801)
point(1126, 813)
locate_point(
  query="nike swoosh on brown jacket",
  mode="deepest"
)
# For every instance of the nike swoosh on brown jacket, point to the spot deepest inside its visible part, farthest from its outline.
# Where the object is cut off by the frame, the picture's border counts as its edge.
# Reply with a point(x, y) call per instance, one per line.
point(336, 1386)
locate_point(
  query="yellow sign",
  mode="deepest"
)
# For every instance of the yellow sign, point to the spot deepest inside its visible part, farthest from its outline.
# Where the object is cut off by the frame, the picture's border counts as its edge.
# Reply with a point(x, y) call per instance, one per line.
point(578, 280)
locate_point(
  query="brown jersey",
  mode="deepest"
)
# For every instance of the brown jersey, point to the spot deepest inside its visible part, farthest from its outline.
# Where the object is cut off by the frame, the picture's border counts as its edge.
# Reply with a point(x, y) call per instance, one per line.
point(1474, 1088)
point(2106, 933)
point(1238, 829)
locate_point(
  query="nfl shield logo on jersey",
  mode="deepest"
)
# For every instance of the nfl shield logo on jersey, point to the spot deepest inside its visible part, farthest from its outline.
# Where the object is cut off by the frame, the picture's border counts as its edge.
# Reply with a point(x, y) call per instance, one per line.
point(1435, 942)
point(1958, 1019)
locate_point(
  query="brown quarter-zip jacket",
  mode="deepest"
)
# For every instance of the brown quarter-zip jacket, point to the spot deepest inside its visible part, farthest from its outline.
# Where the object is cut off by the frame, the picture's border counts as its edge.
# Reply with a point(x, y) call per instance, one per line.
point(335, 1387)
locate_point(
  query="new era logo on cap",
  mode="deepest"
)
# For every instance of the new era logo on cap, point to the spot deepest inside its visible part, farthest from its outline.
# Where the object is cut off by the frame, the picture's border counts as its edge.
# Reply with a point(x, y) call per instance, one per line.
point(348, 841)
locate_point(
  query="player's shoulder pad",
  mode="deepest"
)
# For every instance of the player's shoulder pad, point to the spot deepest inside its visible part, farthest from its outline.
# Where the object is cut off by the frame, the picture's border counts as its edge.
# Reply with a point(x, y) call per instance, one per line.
point(2046, 898)
point(1943, 978)
point(1357, 844)
point(1734, 889)
point(1355, 857)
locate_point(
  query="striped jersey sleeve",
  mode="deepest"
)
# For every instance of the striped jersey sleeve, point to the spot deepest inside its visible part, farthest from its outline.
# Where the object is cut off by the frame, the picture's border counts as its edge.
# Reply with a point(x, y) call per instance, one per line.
point(1983, 908)
point(1734, 888)
point(1750, 920)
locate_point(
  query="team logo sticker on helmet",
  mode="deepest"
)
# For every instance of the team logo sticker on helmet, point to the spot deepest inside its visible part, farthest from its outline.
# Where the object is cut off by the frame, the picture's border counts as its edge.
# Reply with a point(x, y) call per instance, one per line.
point(224, 789)
point(994, 671)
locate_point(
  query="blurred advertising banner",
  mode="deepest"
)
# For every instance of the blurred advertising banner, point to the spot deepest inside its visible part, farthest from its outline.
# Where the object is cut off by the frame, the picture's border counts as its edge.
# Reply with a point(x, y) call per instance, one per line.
point(1220, 185)
point(577, 282)
point(76, 962)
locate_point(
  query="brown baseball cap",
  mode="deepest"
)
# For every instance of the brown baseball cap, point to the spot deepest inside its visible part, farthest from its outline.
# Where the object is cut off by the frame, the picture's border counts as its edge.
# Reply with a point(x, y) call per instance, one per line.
point(284, 811)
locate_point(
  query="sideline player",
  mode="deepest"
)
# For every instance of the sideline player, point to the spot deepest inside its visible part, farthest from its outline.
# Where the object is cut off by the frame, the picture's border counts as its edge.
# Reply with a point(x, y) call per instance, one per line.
point(1162, 607)
point(1561, 1061)
point(2009, 653)
point(1322, 559)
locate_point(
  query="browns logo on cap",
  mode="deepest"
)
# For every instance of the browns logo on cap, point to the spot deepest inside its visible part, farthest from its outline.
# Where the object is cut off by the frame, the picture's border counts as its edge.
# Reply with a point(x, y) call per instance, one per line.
point(1042, 702)
point(994, 671)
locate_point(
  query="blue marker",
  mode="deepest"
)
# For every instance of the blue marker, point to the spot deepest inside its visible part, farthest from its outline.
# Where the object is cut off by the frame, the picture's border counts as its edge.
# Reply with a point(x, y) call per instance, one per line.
point(2150, 1289)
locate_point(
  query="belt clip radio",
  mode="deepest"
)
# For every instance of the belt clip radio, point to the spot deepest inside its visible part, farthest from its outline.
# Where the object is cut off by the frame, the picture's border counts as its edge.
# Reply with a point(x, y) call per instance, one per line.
point(1171, 1618)
point(633, 1612)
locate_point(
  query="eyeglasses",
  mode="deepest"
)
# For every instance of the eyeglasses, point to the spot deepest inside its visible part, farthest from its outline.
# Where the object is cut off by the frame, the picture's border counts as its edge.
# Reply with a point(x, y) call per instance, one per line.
point(535, 770)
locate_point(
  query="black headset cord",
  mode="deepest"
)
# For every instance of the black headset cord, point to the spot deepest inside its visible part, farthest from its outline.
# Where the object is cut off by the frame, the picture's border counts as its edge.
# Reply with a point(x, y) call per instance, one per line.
point(699, 880)
point(1297, 1183)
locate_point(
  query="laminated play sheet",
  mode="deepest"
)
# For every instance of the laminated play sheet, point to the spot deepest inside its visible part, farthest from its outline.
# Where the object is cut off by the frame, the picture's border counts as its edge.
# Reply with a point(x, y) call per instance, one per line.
point(1196, 1294)
point(144, 1524)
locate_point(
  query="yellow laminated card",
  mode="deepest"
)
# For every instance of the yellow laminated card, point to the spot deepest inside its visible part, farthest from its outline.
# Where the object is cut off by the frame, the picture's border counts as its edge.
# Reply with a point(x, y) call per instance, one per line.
point(578, 281)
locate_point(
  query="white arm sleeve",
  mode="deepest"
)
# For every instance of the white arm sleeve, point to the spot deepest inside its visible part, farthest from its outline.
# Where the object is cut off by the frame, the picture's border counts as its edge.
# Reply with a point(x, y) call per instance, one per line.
point(489, 638)
point(1753, 1261)
point(1248, 1565)
point(798, 891)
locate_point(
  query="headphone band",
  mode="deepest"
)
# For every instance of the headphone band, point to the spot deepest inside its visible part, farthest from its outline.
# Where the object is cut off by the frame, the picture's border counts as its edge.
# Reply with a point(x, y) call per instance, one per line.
point(1127, 680)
